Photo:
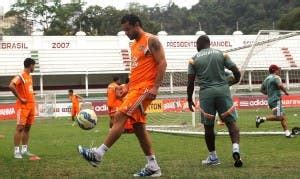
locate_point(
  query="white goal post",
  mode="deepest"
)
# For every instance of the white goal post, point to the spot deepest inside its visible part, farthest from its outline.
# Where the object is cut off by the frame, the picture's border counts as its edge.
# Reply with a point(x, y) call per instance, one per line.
point(46, 105)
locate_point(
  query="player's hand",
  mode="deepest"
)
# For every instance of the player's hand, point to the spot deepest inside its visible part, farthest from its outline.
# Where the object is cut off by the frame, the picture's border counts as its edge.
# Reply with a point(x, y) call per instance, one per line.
point(191, 104)
point(286, 93)
point(23, 100)
point(151, 94)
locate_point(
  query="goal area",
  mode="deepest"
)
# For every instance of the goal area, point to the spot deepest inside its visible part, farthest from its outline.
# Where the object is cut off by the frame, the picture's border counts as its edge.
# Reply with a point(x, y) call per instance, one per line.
point(169, 113)
point(46, 105)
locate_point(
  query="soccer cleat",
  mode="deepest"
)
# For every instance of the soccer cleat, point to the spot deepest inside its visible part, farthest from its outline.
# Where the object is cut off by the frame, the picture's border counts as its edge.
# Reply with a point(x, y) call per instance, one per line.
point(210, 161)
point(27, 153)
point(258, 121)
point(237, 159)
point(147, 172)
point(290, 136)
point(18, 155)
point(89, 155)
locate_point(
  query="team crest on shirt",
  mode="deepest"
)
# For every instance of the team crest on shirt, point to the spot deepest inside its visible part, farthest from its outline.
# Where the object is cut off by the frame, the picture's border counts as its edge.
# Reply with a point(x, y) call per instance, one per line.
point(141, 48)
point(134, 62)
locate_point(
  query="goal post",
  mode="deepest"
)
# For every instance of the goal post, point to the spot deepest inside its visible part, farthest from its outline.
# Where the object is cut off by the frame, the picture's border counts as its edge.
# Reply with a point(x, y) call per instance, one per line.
point(46, 105)
point(269, 47)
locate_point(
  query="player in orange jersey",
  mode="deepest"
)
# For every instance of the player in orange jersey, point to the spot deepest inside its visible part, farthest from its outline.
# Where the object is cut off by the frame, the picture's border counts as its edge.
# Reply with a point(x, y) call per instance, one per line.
point(21, 87)
point(115, 95)
point(75, 98)
point(112, 100)
point(148, 66)
point(121, 92)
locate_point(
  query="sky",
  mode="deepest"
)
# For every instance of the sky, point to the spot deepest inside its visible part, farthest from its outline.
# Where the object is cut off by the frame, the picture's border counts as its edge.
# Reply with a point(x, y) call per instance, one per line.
point(119, 4)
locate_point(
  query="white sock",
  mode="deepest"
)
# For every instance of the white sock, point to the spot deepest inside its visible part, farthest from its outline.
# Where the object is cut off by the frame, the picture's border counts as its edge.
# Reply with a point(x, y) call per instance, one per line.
point(24, 148)
point(287, 132)
point(100, 151)
point(152, 163)
point(235, 147)
point(213, 155)
point(17, 149)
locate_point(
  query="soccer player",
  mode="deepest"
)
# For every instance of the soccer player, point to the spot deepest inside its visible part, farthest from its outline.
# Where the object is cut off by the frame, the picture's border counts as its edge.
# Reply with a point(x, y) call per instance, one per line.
point(21, 87)
point(208, 65)
point(112, 100)
point(121, 92)
point(272, 86)
point(75, 98)
point(148, 67)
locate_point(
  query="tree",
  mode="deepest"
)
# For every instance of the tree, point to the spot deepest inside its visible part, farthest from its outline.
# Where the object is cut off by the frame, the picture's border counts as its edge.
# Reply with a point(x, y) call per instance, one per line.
point(15, 30)
point(290, 21)
point(20, 27)
point(53, 19)
point(100, 21)
point(64, 20)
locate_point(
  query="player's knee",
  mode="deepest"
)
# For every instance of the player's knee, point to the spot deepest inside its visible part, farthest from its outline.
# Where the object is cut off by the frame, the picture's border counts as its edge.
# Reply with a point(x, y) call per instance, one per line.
point(20, 128)
point(139, 126)
point(27, 128)
point(281, 118)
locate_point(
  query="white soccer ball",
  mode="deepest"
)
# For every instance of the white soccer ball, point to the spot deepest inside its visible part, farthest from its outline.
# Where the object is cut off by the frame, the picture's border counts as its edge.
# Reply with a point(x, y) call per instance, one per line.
point(87, 119)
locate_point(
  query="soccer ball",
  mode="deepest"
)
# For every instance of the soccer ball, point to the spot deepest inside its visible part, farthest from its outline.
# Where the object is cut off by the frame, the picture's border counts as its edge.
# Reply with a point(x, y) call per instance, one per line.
point(229, 77)
point(87, 119)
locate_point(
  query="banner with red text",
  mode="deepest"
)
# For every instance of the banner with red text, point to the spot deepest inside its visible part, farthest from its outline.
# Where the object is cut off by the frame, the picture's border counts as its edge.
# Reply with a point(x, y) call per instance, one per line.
point(7, 111)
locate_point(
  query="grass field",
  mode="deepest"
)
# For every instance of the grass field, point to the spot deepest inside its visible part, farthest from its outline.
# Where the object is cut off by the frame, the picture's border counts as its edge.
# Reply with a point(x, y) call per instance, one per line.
point(55, 141)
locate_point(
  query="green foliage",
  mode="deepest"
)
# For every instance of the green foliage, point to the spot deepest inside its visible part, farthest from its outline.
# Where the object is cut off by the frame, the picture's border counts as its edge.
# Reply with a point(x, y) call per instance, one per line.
point(16, 29)
point(290, 21)
point(215, 17)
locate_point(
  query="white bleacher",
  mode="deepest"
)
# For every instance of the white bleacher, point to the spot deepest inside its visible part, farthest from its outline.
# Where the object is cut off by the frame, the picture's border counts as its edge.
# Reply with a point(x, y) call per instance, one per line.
point(12, 61)
point(177, 59)
point(103, 54)
point(294, 48)
point(80, 61)
point(261, 60)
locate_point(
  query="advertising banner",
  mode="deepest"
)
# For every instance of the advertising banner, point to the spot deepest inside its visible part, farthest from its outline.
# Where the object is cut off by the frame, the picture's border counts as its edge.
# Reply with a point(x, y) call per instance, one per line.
point(63, 109)
point(155, 106)
point(7, 111)
point(100, 107)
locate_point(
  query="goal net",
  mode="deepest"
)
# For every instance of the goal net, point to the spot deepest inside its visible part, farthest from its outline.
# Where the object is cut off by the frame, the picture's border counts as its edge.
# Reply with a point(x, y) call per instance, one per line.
point(170, 113)
point(46, 105)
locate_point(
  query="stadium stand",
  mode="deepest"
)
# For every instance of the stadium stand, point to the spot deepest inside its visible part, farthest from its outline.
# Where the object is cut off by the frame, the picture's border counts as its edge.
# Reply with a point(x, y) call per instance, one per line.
point(80, 61)
point(100, 57)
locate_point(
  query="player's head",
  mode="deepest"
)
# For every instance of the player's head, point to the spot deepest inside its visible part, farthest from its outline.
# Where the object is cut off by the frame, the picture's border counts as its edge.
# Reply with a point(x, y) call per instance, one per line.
point(116, 79)
point(29, 64)
point(274, 69)
point(203, 42)
point(70, 92)
point(131, 25)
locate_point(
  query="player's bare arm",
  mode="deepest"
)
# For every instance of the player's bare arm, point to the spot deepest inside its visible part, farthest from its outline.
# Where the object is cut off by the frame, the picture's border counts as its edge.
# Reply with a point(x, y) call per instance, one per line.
point(159, 56)
point(12, 87)
point(263, 90)
point(190, 91)
point(282, 88)
point(78, 96)
point(236, 73)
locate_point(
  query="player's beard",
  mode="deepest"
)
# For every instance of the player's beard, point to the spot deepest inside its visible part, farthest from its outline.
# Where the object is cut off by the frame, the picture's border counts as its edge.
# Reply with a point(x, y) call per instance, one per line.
point(133, 36)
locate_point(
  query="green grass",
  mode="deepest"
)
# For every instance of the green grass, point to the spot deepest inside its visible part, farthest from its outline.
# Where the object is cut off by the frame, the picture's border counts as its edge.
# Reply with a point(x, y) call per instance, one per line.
point(55, 141)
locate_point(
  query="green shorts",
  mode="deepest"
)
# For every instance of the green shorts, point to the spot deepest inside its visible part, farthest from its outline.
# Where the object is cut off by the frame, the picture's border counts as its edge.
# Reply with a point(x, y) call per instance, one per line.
point(277, 108)
point(222, 104)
